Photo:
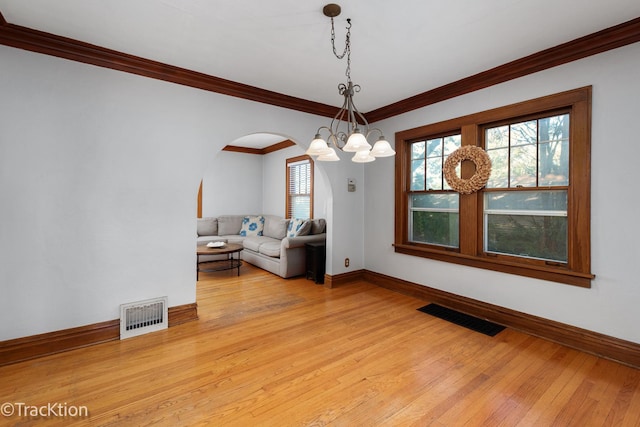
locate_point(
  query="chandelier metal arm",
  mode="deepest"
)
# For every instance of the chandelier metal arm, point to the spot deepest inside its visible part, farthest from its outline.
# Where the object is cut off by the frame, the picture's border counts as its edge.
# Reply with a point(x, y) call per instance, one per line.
point(372, 130)
point(355, 113)
point(348, 114)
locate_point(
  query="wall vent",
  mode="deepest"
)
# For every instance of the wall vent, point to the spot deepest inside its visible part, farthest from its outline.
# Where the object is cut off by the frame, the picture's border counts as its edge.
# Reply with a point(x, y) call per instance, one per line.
point(137, 318)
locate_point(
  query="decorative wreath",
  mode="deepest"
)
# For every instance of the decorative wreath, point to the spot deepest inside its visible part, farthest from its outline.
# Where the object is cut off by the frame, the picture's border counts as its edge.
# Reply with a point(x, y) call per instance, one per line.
point(483, 169)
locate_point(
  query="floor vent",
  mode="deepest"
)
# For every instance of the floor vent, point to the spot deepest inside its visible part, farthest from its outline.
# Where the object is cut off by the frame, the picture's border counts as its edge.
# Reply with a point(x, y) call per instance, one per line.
point(462, 319)
point(137, 318)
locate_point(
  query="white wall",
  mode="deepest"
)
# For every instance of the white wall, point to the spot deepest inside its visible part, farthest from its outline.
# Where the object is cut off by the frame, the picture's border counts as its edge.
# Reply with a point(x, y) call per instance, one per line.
point(345, 214)
point(99, 172)
point(611, 305)
point(232, 184)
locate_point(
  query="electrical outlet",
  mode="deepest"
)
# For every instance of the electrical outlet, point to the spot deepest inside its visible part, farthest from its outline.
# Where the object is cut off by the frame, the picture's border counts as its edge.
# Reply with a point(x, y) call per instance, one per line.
point(346, 262)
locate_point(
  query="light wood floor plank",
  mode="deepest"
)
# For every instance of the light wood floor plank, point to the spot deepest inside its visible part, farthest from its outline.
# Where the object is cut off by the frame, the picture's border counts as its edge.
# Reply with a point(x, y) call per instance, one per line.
point(274, 352)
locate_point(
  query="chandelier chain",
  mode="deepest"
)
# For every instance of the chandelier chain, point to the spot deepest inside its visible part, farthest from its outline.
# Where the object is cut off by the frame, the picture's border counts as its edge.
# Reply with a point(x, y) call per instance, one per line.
point(347, 47)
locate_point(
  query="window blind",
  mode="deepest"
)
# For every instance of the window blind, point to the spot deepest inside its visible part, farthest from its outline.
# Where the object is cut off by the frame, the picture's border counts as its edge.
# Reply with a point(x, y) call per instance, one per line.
point(299, 189)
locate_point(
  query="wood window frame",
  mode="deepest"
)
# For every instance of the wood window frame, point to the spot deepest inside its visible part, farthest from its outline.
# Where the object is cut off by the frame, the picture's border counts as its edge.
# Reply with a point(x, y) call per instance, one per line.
point(577, 270)
point(199, 212)
point(289, 161)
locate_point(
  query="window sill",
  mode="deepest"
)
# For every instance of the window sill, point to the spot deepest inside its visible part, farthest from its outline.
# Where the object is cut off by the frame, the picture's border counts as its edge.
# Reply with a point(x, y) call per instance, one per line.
point(554, 274)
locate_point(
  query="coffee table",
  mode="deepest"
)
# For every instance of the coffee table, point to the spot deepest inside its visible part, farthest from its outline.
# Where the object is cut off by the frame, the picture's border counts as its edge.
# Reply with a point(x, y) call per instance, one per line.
point(218, 265)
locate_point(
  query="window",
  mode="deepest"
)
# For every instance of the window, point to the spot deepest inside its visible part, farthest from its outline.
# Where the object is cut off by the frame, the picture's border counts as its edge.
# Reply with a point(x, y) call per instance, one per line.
point(526, 215)
point(433, 213)
point(299, 200)
point(531, 219)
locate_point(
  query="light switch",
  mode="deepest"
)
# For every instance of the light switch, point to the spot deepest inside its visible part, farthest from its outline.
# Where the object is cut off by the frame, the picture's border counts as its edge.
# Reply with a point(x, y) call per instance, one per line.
point(351, 185)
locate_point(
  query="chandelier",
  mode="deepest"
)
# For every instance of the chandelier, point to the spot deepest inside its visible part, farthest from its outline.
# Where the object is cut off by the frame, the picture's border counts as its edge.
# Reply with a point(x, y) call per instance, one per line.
point(349, 129)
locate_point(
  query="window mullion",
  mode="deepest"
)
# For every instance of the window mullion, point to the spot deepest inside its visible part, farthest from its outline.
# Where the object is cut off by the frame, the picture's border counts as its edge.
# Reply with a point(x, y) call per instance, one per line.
point(470, 231)
point(538, 152)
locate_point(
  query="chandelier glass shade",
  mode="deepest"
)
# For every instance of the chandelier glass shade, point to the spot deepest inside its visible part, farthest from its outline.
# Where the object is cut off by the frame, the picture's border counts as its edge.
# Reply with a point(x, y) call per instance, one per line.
point(349, 130)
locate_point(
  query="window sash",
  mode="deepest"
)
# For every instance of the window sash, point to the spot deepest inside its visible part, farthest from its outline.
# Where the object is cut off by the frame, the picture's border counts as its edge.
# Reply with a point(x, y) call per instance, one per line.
point(428, 157)
point(529, 246)
point(541, 237)
point(439, 203)
point(300, 205)
point(543, 142)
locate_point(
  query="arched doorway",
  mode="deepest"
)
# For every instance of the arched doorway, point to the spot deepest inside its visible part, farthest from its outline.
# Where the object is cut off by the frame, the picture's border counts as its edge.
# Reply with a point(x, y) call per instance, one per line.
point(251, 180)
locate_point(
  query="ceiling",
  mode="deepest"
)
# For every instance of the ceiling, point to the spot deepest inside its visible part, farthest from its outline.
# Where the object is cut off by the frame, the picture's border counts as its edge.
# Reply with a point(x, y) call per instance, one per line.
point(399, 49)
point(258, 140)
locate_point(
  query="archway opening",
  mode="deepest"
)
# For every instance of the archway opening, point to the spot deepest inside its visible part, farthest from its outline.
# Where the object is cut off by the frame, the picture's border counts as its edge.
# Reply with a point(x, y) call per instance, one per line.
point(249, 177)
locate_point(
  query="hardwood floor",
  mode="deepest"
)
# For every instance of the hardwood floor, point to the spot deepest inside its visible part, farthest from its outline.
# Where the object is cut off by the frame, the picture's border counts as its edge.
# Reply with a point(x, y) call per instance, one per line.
point(273, 352)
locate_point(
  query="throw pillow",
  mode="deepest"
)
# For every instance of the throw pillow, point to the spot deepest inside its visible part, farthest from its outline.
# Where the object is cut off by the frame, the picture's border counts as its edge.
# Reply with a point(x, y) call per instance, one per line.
point(229, 224)
point(318, 226)
point(275, 226)
point(252, 226)
point(298, 227)
point(207, 226)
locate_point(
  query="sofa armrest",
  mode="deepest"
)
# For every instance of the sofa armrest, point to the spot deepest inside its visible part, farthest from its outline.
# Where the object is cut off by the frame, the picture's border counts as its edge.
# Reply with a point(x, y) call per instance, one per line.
point(295, 242)
point(292, 253)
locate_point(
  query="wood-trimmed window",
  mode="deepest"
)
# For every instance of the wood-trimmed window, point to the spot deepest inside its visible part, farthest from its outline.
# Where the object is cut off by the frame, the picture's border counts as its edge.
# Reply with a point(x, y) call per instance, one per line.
point(533, 216)
point(299, 187)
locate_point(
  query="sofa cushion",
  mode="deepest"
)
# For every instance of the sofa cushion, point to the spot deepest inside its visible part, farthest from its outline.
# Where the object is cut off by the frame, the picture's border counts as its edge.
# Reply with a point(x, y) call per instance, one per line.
point(275, 226)
point(203, 240)
point(229, 224)
point(263, 244)
point(298, 227)
point(253, 242)
point(318, 226)
point(207, 226)
point(233, 238)
point(271, 249)
point(252, 226)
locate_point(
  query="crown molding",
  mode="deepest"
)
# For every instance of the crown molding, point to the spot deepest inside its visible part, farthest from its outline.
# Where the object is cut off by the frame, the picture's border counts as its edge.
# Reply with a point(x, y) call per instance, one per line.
point(592, 44)
point(74, 50)
point(62, 47)
point(278, 146)
point(260, 151)
point(245, 150)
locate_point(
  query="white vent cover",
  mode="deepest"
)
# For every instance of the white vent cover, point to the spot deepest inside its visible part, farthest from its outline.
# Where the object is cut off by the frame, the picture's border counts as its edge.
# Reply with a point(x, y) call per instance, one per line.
point(137, 318)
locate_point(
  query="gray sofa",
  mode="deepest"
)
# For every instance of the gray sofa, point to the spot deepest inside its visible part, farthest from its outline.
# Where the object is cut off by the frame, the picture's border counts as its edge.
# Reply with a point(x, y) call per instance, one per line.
point(268, 240)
